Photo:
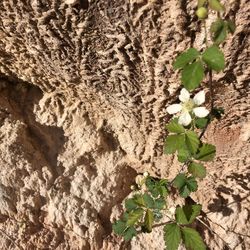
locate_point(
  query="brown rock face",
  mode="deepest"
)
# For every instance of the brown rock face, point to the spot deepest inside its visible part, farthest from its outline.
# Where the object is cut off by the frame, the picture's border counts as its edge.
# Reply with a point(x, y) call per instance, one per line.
point(83, 91)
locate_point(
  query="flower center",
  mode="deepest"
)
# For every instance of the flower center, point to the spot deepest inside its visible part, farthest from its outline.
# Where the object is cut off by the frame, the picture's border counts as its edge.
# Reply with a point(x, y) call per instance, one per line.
point(188, 106)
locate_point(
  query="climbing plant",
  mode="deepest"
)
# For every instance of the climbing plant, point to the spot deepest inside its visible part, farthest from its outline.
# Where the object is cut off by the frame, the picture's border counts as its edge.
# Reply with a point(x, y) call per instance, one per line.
point(147, 204)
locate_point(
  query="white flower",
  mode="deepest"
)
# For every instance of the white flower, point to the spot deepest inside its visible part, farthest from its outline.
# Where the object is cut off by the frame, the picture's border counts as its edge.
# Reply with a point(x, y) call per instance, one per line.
point(188, 105)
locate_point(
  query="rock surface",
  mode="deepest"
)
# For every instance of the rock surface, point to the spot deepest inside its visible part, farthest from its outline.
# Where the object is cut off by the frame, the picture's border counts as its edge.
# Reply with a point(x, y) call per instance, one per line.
point(83, 91)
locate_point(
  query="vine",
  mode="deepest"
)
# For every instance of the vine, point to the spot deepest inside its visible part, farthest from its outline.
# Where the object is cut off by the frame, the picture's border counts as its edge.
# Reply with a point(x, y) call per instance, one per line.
point(148, 202)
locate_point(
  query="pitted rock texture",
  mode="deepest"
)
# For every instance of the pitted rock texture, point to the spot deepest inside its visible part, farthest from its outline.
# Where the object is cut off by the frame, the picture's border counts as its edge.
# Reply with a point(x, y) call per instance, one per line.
point(83, 95)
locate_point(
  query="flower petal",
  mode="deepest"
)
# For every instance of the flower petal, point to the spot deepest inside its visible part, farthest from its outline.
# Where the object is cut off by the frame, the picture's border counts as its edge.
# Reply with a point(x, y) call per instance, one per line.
point(201, 112)
point(184, 95)
point(174, 108)
point(199, 98)
point(185, 119)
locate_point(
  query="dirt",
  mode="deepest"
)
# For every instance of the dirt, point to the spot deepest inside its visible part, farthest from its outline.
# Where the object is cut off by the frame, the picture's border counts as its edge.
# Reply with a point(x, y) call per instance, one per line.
point(84, 87)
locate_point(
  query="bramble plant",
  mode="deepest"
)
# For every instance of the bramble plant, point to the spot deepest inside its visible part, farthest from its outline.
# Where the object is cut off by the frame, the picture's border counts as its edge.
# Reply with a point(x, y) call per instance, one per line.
point(147, 204)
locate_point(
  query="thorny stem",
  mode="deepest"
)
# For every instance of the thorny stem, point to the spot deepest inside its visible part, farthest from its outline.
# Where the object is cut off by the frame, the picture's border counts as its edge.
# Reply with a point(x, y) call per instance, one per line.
point(210, 229)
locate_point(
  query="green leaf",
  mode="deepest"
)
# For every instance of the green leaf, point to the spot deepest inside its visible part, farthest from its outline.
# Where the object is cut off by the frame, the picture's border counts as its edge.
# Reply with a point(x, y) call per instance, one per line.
point(138, 198)
point(134, 216)
point(192, 141)
point(231, 26)
point(175, 127)
point(180, 216)
point(192, 184)
point(184, 191)
point(148, 200)
point(172, 236)
point(119, 227)
point(216, 5)
point(129, 233)
point(187, 214)
point(159, 203)
point(201, 3)
point(196, 209)
point(206, 152)
point(183, 155)
point(218, 31)
point(197, 170)
point(214, 58)
point(179, 181)
point(173, 142)
point(185, 58)
point(130, 204)
point(148, 220)
point(201, 122)
point(192, 75)
point(192, 239)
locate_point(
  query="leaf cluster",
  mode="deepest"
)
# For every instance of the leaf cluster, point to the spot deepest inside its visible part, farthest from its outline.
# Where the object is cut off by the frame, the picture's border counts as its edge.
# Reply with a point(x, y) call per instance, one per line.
point(143, 209)
point(192, 64)
point(179, 231)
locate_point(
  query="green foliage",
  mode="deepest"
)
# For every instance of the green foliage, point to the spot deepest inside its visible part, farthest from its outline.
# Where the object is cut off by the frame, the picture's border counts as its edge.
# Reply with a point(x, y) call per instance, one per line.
point(192, 239)
point(192, 75)
point(216, 5)
point(183, 59)
point(201, 122)
point(158, 188)
point(175, 127)
point(214, 58)
point(185, 184)
point(148, 203)
point(206, 152)
point(192, 141)
point(173, 143)
point(148, 220)
point(197, 170)
point(219, 30)
point(186, 215)
point(134, 216)
point(172, 236)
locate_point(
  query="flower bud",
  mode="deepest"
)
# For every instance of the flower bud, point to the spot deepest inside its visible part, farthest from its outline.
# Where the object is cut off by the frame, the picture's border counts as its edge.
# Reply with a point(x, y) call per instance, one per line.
point(202, 13)
point(139, 179)
point(146, 174)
